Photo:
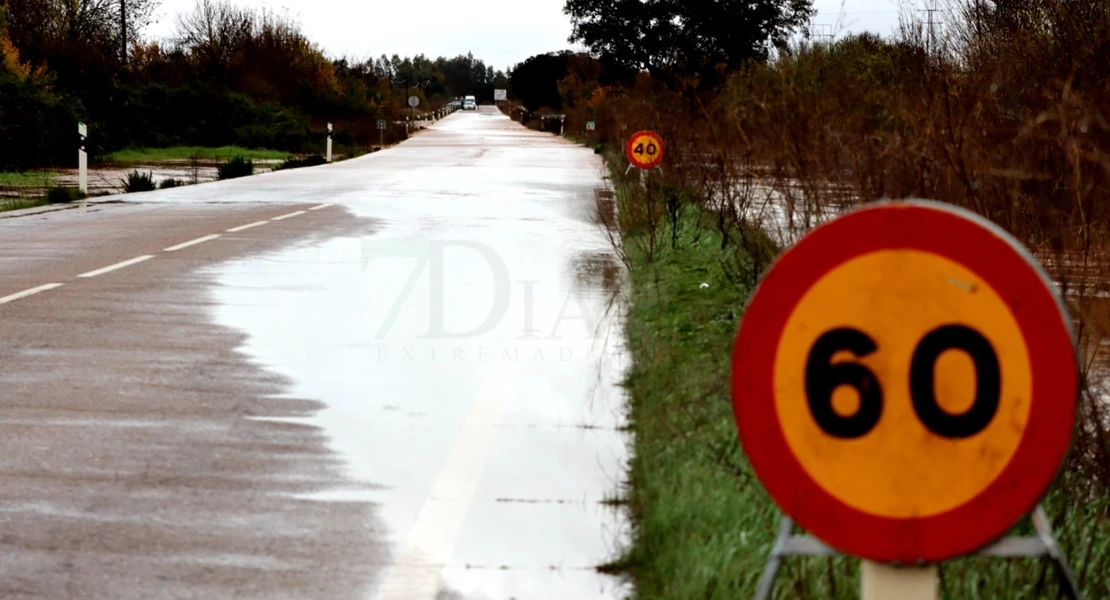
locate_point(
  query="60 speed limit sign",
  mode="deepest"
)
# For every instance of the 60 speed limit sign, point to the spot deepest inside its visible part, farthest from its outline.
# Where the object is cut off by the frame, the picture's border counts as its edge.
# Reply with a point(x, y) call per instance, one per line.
point(905, 382)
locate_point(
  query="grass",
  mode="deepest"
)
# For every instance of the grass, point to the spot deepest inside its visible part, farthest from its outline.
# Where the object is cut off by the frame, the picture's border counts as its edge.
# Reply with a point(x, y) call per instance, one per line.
point(7, 204)
point(135, 155)
point(27, 179)
point(703, 525)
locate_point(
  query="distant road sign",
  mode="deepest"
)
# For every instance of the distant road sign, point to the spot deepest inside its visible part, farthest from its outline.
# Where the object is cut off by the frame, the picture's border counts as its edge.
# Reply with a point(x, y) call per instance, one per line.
point(645, 149)
point(905, 382)
point(414, 101)
point(382, 124)
point(590, 125)
point(500, 95)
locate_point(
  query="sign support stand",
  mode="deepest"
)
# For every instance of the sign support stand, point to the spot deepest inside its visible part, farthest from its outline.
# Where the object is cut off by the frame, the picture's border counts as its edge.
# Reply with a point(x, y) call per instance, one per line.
point(874, 577)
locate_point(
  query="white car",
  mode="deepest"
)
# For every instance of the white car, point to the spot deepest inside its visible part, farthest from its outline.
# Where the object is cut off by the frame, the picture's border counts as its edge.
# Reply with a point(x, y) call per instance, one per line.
point(469, 103)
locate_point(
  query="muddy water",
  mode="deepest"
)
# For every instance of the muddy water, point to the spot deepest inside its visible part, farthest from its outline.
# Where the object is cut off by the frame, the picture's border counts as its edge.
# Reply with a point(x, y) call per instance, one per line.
point(110, 178)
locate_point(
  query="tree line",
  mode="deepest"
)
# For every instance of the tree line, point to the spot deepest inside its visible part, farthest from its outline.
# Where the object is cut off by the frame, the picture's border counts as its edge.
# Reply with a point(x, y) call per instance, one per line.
point(227, 76)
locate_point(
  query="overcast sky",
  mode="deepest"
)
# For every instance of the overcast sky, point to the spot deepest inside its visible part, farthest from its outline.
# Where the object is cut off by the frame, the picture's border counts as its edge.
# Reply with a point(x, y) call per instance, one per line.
point(499, 32)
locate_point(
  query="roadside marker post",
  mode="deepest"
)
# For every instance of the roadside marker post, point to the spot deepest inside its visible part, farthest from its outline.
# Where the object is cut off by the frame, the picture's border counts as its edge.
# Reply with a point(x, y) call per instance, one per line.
point(905, 386)
point(329, 142)
point(82, 162)
point(381, 132)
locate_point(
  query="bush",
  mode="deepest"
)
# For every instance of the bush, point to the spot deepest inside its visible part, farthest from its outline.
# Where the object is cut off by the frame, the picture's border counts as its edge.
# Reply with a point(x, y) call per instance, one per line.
point(61, 195)
point(238, 166)
point(296, 163)
point(170, 183)
point(138, 182)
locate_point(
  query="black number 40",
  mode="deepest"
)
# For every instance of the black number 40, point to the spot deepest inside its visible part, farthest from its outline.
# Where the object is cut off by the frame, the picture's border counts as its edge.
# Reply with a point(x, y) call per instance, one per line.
point(652, 149)
point(823, 377)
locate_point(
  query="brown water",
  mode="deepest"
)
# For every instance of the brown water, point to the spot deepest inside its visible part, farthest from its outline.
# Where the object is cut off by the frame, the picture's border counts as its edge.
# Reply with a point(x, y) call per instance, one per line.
point(109, 178)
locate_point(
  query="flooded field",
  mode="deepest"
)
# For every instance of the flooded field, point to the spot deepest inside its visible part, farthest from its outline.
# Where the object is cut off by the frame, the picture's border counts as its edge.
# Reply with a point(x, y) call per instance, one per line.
point(109, 178)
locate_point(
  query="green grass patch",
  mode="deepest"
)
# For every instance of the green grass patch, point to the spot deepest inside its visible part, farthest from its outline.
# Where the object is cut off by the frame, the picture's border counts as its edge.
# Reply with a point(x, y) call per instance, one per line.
point(136, 155)
point(28, 179)
point(703, 526)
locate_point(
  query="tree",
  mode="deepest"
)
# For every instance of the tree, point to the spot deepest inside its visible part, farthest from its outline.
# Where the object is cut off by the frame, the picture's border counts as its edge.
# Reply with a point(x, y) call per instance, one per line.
point(536, 80)
point(678, 37)
point(42, 29)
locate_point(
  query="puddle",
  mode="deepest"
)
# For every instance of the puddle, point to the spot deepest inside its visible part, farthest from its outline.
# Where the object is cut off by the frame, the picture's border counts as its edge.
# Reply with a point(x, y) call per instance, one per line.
point(468, 353)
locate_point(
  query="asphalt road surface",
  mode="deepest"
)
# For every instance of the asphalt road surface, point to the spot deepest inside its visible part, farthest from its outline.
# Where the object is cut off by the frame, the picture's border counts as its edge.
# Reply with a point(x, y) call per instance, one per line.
point(393, 377)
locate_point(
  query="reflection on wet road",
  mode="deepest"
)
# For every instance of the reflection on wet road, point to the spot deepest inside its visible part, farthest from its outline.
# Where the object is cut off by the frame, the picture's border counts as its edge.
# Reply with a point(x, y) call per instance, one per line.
point(449, 325)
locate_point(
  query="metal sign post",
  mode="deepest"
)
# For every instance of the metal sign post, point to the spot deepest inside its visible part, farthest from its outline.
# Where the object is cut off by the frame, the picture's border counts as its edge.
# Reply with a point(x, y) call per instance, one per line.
point(645, 152)
point(329, 142)
point(862, 430)
point(875, 576)
point(82, 163)
point(414, 102)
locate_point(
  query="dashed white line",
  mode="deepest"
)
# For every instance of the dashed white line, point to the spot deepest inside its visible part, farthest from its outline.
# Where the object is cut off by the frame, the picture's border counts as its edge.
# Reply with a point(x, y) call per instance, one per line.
point(126, 263)
point(321, 206)
point(30, 292)
point(282, 217)
point(199, 240)
point(247, 226)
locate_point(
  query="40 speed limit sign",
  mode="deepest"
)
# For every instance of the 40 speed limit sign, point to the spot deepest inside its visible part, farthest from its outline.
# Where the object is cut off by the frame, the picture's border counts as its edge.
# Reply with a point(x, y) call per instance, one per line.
point(645, 149)
point(905, 382)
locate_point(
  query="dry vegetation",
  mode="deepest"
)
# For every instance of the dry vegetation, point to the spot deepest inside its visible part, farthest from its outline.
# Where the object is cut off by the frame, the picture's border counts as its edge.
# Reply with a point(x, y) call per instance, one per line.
point(1008, 116)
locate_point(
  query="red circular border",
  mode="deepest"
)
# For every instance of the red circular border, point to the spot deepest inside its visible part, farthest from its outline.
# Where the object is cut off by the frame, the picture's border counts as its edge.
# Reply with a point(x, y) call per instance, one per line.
point(658, 140)
point(996, 257)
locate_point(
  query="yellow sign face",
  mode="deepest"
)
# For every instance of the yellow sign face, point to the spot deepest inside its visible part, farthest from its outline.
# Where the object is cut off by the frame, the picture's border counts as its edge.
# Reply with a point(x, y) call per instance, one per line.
point(903, 383)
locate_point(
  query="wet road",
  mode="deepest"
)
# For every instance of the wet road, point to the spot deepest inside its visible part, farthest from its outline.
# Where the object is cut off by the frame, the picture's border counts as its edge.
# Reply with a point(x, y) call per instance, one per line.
point(393, 377)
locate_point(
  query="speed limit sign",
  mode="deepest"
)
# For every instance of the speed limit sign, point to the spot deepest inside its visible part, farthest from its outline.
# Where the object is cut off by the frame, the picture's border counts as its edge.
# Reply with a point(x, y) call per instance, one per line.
point(645, 149)
point(905, 382)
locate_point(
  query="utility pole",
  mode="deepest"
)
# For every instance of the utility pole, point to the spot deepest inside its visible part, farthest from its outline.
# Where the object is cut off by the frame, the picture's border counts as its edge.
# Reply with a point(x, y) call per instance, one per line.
point(822, 28)
point(931, 40)
point(123, 29)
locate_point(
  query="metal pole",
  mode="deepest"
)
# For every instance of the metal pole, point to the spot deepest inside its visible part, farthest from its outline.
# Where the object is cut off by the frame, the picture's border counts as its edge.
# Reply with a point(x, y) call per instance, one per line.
point(883, 582)
point(123, 29)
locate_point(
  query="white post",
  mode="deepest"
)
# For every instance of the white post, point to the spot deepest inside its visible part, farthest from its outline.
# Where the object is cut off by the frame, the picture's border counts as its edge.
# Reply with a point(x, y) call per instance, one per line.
point(82, 162)
point(329, 142)
point(883, 582)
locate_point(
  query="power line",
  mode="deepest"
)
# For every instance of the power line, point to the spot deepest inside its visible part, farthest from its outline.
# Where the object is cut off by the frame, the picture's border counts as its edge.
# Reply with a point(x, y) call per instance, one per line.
point(932, 35)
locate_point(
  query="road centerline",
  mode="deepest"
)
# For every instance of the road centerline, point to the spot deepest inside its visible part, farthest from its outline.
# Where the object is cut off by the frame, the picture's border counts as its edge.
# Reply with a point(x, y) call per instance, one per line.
point(119, 265)
point(199, 240)
point(30, 292)
point(290, 215)
point(246, 227)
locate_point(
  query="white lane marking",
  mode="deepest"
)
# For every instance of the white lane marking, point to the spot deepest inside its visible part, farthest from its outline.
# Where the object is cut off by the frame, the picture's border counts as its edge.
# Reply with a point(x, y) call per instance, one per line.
point(30, 292)
point(126, 263)
point(245, 227)
point(415, 575)
point(321, 206)
point(199, 240)
point(299, 212)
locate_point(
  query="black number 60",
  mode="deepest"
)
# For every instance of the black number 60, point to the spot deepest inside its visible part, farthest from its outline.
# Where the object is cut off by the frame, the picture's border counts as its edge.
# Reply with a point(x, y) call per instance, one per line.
point(822, 377)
